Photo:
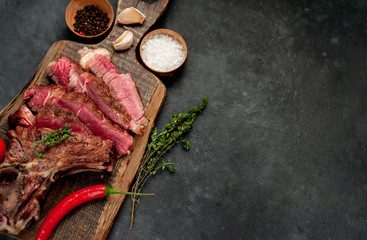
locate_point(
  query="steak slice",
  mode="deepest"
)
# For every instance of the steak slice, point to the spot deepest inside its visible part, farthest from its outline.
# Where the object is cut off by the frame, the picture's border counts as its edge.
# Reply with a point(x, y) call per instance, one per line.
point(23, 116)
point(40, 95)
point(49, 116)
point(100, 94)
point(63, 72)
point(25, 177)
point(88, 113)
point(97, 61)
point(55, 117)
point(122, 86)
point(96, 121)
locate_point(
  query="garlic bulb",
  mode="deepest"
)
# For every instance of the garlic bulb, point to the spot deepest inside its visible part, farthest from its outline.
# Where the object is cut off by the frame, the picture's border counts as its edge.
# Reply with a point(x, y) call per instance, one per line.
point(130, 15)
point(124, 41)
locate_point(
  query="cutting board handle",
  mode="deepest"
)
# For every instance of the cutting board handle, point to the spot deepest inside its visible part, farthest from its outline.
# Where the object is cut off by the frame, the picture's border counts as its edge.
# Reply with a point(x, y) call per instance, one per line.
point(152, 11)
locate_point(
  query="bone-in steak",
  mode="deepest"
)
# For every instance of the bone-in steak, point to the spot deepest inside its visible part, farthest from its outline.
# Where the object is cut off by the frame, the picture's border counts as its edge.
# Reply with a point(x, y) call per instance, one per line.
point(25, 176)
point(94, 108)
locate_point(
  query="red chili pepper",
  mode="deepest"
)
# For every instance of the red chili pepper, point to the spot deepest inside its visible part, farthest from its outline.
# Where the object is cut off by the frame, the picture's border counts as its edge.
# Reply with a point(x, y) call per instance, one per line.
point(2, 149)
point(70, 202)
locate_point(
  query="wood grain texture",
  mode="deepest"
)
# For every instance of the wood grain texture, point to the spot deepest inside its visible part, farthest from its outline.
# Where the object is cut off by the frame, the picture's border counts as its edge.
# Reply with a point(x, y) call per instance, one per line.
point(94, 220)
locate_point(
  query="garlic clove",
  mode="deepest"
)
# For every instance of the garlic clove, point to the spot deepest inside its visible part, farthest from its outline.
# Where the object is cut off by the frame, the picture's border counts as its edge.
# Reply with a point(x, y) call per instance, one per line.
point(124, 41)
point(130, 15)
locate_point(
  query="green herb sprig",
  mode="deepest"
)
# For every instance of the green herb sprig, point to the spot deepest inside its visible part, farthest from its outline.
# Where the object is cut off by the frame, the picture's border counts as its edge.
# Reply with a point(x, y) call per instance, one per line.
point(159, 144)
point(54, 138)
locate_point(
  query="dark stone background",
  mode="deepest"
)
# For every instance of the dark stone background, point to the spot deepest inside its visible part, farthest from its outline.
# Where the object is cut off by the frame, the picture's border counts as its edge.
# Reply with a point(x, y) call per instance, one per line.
point(280, 152)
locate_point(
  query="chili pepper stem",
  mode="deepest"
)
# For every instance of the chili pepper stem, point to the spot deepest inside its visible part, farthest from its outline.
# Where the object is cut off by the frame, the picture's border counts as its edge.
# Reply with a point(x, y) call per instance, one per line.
point(109, 191)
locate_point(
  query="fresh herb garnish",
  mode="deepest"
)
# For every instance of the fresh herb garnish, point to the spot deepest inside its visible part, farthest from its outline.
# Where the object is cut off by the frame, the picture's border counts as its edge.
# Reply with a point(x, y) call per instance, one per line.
point(161, 143)
point(55, 137)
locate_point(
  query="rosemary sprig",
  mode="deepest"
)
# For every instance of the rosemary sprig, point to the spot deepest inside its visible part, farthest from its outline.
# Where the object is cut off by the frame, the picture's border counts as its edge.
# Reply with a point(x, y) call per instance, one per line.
point(159, 144)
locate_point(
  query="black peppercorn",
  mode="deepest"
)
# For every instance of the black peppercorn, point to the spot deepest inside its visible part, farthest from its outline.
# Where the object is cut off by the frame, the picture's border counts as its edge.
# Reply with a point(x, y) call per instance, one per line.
point(90, 21)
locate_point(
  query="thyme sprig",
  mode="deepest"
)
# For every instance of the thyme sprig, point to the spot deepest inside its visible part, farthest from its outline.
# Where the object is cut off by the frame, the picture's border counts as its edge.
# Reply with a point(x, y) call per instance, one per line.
point(159, 144)
point(55, 137)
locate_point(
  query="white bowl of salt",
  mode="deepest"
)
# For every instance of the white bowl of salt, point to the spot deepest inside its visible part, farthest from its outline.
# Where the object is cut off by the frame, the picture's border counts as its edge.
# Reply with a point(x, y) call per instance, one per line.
point(164, 52)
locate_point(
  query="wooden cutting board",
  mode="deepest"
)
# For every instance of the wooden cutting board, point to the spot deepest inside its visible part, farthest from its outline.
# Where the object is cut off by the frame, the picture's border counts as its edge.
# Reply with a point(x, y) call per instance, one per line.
point(94, 220)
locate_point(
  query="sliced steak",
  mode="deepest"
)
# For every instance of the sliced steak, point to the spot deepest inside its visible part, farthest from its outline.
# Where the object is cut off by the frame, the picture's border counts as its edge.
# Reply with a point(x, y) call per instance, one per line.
point(96, 121)
point(88, 113)
point(23, 116)
point(63, 72)
point(40, 95)
point(55, 117)
point(25, 177)
point(122, 86)
point(49, 116)
point(97, 61)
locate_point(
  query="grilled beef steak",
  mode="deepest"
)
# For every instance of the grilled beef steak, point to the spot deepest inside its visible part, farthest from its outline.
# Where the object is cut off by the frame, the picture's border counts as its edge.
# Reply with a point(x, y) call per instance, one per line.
point(66, 72)
point(39, 95)
point(94, 107)
point(91, 116)
point(122, 86)
point(49, 116)
point(25, 177)
point(23, 116)
point(55, 117)
point(86, 111)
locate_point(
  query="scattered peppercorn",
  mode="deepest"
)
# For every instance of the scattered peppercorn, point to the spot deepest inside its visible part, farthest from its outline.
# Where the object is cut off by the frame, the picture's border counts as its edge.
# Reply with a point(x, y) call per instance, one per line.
point(90, 21)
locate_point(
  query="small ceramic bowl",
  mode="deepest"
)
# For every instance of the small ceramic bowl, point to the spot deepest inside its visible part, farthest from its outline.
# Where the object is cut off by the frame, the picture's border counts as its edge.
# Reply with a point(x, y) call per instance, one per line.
point(172, 72)
point(76, 5)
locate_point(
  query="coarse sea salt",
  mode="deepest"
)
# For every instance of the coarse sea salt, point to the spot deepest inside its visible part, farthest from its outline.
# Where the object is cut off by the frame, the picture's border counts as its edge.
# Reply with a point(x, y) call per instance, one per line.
point(163, 53)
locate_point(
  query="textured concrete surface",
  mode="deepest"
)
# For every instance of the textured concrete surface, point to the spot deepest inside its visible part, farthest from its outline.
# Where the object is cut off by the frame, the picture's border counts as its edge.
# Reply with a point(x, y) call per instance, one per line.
point(280, 152)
